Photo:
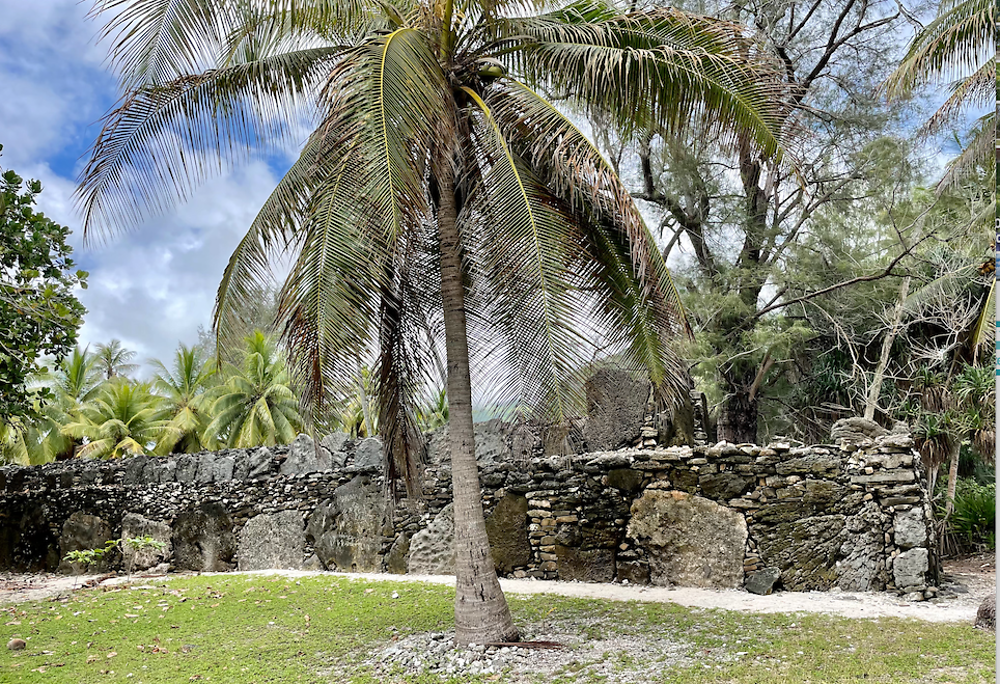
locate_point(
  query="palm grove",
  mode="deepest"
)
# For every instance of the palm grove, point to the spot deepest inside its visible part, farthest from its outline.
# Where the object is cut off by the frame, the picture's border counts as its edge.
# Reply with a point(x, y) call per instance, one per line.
point(445, 208)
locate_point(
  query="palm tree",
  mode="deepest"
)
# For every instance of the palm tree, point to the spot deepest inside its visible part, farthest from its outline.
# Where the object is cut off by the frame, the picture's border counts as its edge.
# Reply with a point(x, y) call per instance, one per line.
point(185, 392)
point(256, 405)
point(114, 360)
point(439, 192)
point(75, 381)
point(123, 419)
point(957, 48)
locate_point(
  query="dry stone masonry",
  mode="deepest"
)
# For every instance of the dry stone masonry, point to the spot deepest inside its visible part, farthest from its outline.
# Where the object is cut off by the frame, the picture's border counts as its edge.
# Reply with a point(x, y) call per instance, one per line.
point(852, 515)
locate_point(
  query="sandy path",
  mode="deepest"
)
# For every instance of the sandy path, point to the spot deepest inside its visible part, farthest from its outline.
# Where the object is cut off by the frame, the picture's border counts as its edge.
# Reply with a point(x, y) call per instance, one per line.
point(17, 589)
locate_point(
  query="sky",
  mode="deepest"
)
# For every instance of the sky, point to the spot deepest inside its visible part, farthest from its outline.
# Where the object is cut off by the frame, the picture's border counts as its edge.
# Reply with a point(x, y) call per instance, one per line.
point(151, 287)
point(154, 286)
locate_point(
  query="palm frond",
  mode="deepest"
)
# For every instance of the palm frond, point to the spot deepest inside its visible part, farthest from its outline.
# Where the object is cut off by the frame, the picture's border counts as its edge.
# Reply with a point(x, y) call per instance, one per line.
point(657, 68)
point(957, 43)
point(161, 141)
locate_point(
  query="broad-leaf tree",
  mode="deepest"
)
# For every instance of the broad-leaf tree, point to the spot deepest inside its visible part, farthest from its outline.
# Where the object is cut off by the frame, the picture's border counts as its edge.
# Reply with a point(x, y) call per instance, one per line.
point(39, 312)
point(440, 200)
point(256, 405)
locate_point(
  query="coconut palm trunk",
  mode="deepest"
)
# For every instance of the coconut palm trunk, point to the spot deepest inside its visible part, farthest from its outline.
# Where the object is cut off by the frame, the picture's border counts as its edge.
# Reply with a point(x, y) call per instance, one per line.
point(481, 613)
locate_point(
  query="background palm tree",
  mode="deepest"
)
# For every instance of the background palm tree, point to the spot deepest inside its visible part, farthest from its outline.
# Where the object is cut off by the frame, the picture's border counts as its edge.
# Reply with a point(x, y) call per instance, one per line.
point(114, 360)
point(75, 381)
point(439, 192)
point(124, 419)
point(186, 400)
point(256, 405)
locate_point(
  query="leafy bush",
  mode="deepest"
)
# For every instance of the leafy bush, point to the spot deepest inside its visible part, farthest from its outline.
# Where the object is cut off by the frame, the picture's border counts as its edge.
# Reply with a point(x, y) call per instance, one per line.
point(973, 522)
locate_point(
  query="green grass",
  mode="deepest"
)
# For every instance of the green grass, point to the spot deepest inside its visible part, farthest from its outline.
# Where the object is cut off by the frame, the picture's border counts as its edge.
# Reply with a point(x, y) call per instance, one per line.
point(261, 629)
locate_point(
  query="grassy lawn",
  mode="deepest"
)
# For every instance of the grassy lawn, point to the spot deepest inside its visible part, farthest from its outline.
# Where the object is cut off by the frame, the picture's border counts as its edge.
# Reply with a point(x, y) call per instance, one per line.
point(259, 629)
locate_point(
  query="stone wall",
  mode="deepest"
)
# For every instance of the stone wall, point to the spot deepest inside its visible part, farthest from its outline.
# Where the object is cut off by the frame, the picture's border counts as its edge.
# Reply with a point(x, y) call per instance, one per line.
point(853, 516)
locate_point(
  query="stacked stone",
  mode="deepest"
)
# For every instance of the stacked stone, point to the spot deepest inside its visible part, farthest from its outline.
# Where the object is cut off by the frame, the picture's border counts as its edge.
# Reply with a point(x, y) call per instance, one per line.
point(853, 515)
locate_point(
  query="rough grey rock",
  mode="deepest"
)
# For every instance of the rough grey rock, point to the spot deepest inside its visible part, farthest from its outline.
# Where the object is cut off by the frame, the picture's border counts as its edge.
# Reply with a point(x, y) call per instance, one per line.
point(206, 468)
point(856, 430)
point(585, 565)
point(368, 453)
point(259, 464)
point(616, 409)
point(762, 582)
point(399, 553)
point(305, 457)
point(523, 442)
point(432, 549)
point(222, 470)
point(335, 444)
point(491, 444)
point(862, 566)
point(347, 529)
point(136, 526)
point(203, 539)
point(272, 541)
point(986, 616)
point(910, 528)
point(909, 568)
point(82, 532)
point(626, 480)
point(507, 528)
point(724, 486)
point(563, 439)
point(690, 541)
point(313, 563)
point(633, 572)
point(187, 468)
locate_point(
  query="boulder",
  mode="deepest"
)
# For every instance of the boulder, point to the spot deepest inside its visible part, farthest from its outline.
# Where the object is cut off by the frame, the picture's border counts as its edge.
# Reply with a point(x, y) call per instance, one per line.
point(206, 468)
point(862, 564)
point(909, 570)
point(633, 572)
point(910, 528)
point(368, 453)
point(347, 529)
point(523, 441)
point(272, 541)
point(399, 553)
point(432, 549)
point(725, 485)
point(259, 464)
point(304, 456)
point(855, 430)
point(335, 444)
point(135, 526)
point(590, 565)
point(203, 539)
point(491, 444)
point(507, 528)
point(187, 468)
point(83, 532)
point(626, 480)
point(563, 439)
point(986, 616)
point(616, 409)
point(222, 469)
point(762, 582)
point(689, 540)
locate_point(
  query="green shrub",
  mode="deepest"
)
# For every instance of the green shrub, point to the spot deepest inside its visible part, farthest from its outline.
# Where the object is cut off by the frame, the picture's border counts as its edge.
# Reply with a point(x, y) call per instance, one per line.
point(973, 522)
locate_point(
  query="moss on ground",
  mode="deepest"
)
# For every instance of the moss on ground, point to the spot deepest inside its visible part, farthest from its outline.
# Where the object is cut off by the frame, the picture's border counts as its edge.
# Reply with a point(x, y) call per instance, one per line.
point(266, 629)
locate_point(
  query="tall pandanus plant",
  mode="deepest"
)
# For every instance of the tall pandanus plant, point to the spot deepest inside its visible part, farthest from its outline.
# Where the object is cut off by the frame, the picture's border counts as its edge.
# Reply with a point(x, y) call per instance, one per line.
point(441, 200)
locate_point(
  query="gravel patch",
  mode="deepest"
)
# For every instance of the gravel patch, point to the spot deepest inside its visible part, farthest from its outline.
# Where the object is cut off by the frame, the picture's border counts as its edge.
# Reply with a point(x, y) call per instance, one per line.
point(623, 659)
